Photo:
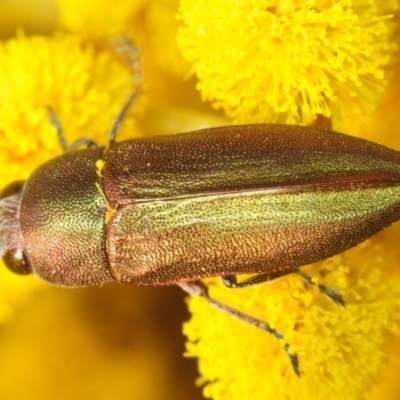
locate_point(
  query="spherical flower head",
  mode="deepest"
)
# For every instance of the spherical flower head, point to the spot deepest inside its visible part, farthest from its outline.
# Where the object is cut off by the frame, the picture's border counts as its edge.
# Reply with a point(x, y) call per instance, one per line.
point(286, 61)
point(85, 88)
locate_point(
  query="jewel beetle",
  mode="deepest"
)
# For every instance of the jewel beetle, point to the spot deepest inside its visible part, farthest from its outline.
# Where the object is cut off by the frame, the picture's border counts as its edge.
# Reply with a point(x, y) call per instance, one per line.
point(172, 210)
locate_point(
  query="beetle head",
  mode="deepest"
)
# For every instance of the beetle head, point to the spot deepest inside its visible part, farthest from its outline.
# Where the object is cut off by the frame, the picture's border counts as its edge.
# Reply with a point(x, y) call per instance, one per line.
point(12, 248)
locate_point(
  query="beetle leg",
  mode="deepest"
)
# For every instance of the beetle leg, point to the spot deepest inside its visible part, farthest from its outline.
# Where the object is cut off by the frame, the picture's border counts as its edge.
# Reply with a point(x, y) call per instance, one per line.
point(231, 282)
point(332, 294)
point(197, 288)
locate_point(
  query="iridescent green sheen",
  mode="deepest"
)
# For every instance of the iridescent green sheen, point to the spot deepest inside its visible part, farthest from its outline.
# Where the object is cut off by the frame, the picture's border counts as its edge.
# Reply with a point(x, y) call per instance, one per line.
point(244, 199)
point(217, 202)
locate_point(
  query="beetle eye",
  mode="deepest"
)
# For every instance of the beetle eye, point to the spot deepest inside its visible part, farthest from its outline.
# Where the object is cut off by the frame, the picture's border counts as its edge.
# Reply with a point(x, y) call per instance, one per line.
point(16, 262)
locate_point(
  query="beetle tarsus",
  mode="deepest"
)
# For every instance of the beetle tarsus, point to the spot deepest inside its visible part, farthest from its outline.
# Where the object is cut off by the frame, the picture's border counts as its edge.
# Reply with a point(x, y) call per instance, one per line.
point(197, 288)
point(332, 294)
point(294, 360)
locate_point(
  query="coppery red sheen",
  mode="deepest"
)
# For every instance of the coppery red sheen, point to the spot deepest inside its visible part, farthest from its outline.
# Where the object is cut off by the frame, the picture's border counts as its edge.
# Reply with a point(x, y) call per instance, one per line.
point(221, 201)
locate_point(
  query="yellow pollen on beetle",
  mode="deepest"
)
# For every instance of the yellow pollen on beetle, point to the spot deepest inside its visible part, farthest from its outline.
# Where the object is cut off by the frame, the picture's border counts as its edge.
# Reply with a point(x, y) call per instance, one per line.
point(99, 167)
point(109, 210)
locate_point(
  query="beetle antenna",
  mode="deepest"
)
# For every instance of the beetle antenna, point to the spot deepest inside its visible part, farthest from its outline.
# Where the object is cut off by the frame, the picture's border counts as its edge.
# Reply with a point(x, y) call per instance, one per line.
point(57, 125)
point(61, 136)
point(129, 51)
point(121, 115)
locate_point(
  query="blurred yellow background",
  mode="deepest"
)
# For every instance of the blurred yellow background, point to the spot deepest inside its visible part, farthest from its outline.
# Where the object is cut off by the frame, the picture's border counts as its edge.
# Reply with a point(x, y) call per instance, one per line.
point(117, 341)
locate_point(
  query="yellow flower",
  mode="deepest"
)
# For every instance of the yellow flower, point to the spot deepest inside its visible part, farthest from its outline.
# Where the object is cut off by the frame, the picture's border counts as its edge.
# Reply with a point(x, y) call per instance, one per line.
point(289, 63)
point(86, 90)
point(286, 61)
point(340, 350)
point(74, 343)
point(323, 67)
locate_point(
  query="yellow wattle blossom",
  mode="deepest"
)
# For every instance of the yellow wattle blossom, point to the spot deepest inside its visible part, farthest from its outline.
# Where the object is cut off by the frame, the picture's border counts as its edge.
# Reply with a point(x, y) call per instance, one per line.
point(86, 90)
point(84, 87)
point(94, 342)
point(321, 57)
point(289, 61)
point(340, 350)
